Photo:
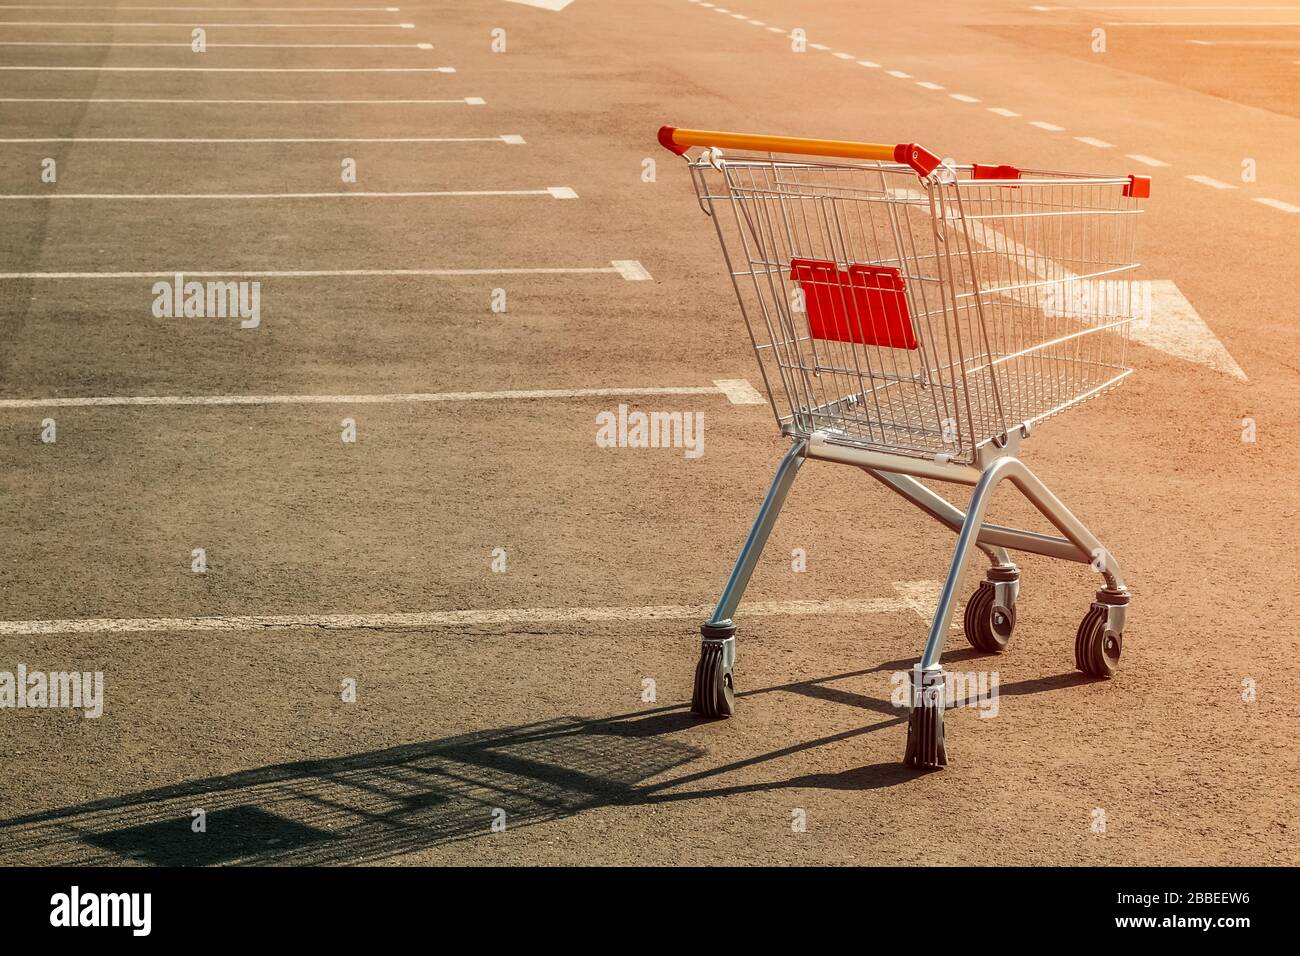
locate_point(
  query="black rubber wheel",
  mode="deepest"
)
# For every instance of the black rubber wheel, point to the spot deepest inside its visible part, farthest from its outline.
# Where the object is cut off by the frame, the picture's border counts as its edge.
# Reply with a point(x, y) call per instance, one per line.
point(926, 749)
point(1096, 653)
point(715, 693)
point(988, 628)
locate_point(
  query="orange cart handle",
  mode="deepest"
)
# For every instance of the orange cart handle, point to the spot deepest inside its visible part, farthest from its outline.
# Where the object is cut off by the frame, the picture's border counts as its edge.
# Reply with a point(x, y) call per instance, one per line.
point(680, 140)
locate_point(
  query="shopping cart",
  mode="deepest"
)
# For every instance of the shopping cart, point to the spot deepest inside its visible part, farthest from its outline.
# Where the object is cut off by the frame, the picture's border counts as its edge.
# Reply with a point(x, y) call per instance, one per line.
point(916, 318)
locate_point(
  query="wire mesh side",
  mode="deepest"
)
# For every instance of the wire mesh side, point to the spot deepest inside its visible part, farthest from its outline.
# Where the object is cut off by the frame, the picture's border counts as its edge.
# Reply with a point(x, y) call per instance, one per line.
point(1018, 295)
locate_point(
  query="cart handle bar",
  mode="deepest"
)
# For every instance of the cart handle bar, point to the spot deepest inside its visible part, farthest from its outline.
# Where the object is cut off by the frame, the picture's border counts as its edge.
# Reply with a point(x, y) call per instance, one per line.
point(919, 158)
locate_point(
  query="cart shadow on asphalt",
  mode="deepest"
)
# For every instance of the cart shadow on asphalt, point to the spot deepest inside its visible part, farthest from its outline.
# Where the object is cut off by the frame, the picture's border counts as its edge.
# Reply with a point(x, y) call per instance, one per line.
point(374, 806)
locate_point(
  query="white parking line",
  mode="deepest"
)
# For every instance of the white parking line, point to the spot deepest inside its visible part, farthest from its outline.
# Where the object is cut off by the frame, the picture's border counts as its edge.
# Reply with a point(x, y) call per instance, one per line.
point(1146, 160)
point(925, 84)
point(899, 74)
point(1050, 127)
point(1204, 23)
point(555, 192)
point(1277, 204)
point(231, 69)
point(495, 617)
point(211, 46)
point(511, 139)
point(737, 392)
point(1190, 6)
point(1245, 42)
point(189, 23)
point(1212, 183)
point(1093, 141)
point(246, 8)
point(963, 98)
point(1002, 111)
point(461, 101)
point(869, 64)
point(629, 269)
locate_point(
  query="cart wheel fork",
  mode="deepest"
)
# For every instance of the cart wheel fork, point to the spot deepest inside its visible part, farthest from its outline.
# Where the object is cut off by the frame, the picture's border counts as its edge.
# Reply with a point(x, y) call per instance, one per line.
point(714, 675)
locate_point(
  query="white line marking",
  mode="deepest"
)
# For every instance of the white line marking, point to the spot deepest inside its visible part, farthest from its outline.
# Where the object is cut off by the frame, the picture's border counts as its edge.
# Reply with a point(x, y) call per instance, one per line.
point(1192, 6)
point(843, 56)
point(467, 618)
point(1177, 329)
point(736, 391)
point(776, 30)
point(1212, 183)
point(963, 98)
point(1146, 160)
point(553, 5)
point(185, 23)
point(925, 84)
point(231, 69)
point(757, 23)
point(869, 64)
point(1002, 111)
point(259, 46)
point(899, 74)
point(1204, 23)
point(739, 391)
point(629, 269)
point(1093, 141)
point(466, 101)
point(1245, 42)
point(1050, 127)
point(206, 9)
point(1277, 204)
point(556, 192)
point(818, 46)
point(513, 140)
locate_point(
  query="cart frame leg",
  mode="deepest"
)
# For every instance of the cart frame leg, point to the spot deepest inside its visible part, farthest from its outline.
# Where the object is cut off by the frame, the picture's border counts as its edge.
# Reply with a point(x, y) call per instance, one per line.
point(718, 644)
point(925, 742)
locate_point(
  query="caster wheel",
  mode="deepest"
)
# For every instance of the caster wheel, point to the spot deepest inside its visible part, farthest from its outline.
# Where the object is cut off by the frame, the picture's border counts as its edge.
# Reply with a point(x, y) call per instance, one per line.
point(1096, 652)
point(715, 691)
point(988, 626)
point(925, 744)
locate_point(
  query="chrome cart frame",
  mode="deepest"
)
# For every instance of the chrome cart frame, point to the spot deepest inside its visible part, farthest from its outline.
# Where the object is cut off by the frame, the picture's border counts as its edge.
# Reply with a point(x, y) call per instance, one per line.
point(917, 320)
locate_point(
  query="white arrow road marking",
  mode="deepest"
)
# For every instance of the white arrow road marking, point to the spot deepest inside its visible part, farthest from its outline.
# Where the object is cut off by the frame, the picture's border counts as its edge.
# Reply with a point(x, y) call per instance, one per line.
point(492, 617)
point(1177, 329)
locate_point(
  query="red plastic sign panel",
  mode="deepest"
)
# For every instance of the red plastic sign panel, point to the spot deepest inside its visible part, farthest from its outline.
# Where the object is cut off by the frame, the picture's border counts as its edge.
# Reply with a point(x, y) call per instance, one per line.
point(862, 304)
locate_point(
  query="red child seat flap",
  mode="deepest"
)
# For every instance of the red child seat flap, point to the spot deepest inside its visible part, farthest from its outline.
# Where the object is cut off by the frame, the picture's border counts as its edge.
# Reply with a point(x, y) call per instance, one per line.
point(861, 304)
